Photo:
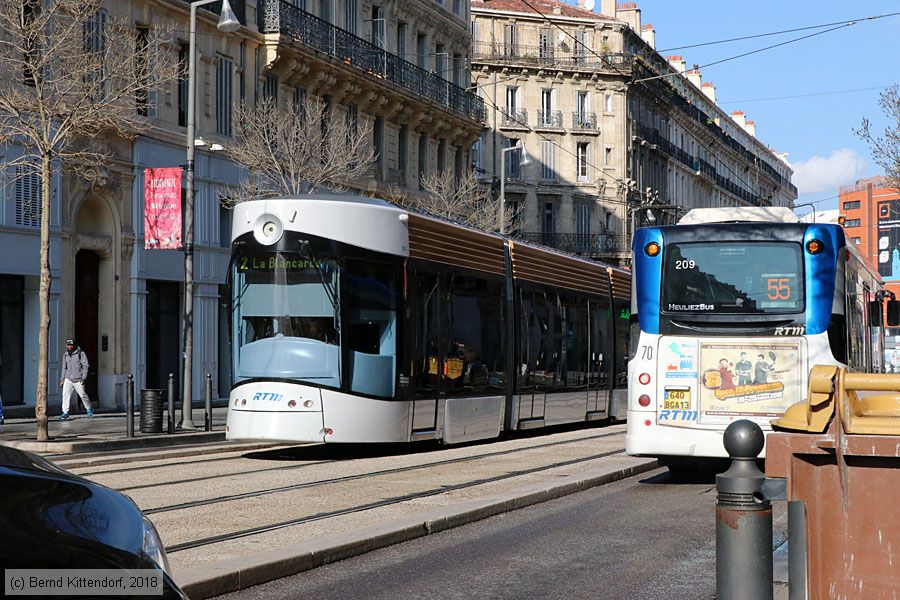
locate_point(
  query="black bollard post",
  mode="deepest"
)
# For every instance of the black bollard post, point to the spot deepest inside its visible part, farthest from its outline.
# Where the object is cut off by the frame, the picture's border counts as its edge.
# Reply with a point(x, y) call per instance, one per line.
point(208, 402)
point(171, 403)
point(743, 519)
point(129, 407)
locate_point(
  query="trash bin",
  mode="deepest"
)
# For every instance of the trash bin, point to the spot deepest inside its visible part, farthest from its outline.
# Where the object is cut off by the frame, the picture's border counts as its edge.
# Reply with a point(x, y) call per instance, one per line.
point(152, 410)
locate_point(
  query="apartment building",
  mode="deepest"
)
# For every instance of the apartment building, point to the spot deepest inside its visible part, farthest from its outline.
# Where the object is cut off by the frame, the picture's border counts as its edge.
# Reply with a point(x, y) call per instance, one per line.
point(613, 128)
point(403, 65)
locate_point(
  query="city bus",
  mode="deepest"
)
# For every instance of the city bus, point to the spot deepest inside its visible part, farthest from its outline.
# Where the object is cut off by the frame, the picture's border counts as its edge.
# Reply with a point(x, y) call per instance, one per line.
point(355, 321)
point(730, 310)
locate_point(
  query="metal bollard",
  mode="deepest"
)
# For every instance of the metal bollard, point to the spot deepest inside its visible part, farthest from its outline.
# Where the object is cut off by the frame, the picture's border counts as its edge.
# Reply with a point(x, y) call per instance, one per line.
point(129, 407)
point(208, 402)
point(743, 519)
point(171, 403)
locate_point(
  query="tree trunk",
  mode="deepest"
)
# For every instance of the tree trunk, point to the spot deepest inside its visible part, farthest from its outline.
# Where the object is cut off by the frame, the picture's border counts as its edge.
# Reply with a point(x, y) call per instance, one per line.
point(40, 405)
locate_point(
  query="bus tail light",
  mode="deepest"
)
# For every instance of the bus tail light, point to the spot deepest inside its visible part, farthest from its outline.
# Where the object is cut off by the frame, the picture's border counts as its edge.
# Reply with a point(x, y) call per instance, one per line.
point(644, 378)
point(644, 400)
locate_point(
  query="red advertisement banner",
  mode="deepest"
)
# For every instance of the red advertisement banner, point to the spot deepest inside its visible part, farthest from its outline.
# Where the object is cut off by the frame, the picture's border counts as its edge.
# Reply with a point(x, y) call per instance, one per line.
point(162, 208)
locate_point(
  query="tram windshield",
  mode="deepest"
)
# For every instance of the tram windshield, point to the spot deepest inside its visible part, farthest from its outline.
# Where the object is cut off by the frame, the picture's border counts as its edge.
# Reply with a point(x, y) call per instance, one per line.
point(316, 315)
point(729, 277)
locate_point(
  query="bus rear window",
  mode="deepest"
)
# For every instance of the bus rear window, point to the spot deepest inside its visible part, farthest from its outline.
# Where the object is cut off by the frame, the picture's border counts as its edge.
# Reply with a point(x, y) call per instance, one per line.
point(728, 277)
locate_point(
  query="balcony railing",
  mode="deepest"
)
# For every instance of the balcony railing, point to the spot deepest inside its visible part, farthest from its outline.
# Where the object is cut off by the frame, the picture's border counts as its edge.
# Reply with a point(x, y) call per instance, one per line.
point(550, 118)
point(280, 16)
point(584, 120)
point(516, 117)
point(589, 244)
point(541, 56)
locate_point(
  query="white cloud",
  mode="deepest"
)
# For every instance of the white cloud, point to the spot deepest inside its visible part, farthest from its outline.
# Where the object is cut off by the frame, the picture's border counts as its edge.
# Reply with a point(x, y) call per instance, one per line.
point(825, 174)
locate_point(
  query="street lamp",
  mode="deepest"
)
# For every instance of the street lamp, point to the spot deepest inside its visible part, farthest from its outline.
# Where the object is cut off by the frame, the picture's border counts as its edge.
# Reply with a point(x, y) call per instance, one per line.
point(228, 23)
point(811, 205)
point(523, 160)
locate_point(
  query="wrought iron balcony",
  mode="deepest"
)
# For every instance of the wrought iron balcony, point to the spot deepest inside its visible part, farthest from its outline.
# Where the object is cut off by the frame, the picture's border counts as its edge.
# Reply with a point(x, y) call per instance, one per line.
point(586, 121)
point(588, 244)
point(516, 117)
point(557, 57)
point(280, 16)
point(550, 118)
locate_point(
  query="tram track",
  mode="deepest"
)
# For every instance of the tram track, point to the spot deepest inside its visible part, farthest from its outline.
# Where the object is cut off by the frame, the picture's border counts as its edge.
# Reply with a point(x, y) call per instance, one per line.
point(308, 465)
point(371, 505)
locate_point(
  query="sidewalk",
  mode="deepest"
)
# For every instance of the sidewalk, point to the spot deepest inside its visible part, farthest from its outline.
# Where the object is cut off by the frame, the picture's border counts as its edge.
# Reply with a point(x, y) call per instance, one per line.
point(105, 432)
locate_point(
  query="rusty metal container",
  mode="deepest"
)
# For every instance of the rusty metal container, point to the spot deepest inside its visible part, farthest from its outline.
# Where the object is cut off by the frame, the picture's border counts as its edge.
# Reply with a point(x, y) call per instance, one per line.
point(840, 454)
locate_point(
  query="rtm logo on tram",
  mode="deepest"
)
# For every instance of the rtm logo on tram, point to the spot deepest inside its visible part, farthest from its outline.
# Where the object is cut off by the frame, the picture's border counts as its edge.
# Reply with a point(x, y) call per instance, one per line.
point(270, 396)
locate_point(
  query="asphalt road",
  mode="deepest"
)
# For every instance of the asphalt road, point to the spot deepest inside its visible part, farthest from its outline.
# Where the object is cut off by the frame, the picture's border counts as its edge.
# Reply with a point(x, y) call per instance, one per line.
point(650, 536)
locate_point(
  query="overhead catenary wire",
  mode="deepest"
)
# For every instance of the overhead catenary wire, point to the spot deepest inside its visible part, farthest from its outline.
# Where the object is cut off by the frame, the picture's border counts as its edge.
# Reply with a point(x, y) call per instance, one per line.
point(781, 32)
point(809, 95)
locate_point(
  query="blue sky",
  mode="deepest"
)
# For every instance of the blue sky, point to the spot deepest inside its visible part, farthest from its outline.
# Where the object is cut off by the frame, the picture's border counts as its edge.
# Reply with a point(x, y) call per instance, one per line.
point(817, 131)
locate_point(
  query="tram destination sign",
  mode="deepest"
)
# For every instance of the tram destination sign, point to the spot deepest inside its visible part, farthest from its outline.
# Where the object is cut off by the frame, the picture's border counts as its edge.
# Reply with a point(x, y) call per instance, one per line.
point(279, 262)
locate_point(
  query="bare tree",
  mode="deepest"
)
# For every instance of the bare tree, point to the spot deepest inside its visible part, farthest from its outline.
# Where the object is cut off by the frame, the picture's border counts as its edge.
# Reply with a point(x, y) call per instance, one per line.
point(885, 148)
point(71, 73)
point(463, 200)
point(298, 148)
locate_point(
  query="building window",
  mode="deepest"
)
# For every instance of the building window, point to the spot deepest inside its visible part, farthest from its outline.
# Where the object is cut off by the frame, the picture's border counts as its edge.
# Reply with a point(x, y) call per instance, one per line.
point(95, 43)
point(548, 160)
point(442, 156)
point(144, 98)
point(459, 70)
point(28, 197)
point(851, 223)
point(350, 16)
point(582, 150)
point(608, 103)
point(582, 43)
point(509, 40)
point(423, 160)
point(583, 225)
point(607, 156)
point(378, 26)
point(403, 150)
point(352, 123)
point(325, 11)
point(378, 141)
point(857, 241)
point(513, 160)
point(546, 116)
point(851, 204)
point(477, 149)
point(224, 100)
point(457, 7)
point(182, 85)
point(401, 40)
point(545, 49)
point(270, 87)
point(440, 61)
point(242, 84)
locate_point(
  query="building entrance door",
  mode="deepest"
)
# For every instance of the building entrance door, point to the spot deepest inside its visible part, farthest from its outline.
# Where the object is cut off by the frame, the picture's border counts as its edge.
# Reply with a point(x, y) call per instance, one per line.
point(163, 328)
point(87, 306)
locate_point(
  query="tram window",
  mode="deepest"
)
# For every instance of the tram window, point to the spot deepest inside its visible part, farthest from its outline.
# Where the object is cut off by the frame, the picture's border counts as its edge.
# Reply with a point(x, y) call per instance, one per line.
point(601, 344)
point(475, 349)
point(425, 314)
point(574, 360)
point(542, 338)
point(370, 323)
point(622, 316)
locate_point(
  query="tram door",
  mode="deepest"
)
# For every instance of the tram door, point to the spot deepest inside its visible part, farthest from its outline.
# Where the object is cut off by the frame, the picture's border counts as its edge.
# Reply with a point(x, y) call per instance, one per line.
point(426, 323)
point(600, 356)
point(533, 343)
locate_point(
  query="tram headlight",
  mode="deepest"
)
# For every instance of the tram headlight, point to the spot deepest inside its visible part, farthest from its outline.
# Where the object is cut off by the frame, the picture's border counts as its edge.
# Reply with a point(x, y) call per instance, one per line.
point(814, 246)
point(652, 249)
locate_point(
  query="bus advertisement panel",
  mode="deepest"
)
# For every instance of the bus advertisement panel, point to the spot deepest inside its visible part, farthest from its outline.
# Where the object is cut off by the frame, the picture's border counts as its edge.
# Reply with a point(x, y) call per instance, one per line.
point(747, 380)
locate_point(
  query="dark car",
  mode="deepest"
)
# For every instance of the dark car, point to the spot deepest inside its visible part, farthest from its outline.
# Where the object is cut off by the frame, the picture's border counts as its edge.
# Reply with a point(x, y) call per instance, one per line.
point(52, 519)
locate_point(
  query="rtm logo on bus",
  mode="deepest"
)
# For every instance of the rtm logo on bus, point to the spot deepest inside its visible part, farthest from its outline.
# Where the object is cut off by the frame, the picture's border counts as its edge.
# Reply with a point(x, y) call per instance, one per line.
point(267, 396)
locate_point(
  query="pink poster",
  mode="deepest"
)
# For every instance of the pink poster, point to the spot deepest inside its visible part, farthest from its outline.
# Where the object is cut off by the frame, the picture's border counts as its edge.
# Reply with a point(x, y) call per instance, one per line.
point(162, 208)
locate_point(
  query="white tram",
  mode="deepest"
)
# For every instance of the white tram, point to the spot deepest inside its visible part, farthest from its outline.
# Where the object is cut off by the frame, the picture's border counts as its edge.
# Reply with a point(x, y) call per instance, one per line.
point(355, 321)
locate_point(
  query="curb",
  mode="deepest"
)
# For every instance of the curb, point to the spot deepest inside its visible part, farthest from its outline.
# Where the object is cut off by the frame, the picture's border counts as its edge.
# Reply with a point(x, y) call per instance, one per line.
point(247, 571)
point(82, 446)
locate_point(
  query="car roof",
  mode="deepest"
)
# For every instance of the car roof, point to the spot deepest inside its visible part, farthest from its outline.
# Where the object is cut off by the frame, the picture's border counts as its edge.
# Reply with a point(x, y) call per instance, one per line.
point(18, 459)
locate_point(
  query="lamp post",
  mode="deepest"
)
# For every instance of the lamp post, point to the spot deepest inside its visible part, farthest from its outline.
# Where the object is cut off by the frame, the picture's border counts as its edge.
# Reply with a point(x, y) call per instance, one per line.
point(811, 205)
point(523, 160)
point(227, 23)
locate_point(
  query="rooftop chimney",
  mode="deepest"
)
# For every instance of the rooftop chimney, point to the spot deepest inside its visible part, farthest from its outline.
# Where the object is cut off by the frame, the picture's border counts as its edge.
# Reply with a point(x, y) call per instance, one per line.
point(739, 118)
point(695, 77)
point(631, 14)
point(649, 35)
point(608, 8)
point(709, 89)
point(677, 63)
point(750, 127)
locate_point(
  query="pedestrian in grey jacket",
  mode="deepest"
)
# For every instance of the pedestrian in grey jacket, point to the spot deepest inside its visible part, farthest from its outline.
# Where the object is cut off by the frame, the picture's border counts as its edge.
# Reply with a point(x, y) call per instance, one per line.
point(72, 376)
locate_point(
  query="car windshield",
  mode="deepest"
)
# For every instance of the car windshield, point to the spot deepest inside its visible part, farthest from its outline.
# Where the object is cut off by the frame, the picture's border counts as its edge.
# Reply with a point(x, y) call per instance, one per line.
point(733, 277)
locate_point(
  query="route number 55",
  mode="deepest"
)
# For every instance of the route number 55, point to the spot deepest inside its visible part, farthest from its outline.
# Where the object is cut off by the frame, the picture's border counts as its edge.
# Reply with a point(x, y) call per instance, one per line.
point(778, 288)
